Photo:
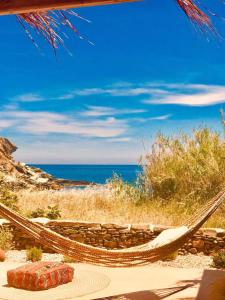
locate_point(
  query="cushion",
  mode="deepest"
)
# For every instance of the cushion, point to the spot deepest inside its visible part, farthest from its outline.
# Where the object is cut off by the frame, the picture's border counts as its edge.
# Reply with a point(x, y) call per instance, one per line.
point(40, 275)
point(167, 236)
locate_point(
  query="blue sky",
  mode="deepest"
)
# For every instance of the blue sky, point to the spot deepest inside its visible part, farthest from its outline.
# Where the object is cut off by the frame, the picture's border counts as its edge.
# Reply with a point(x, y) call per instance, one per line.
point(148, 71)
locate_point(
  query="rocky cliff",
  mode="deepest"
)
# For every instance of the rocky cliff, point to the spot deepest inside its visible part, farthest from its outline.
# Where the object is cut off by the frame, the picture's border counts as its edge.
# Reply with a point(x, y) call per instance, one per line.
point(6, 161)
point(18, 175)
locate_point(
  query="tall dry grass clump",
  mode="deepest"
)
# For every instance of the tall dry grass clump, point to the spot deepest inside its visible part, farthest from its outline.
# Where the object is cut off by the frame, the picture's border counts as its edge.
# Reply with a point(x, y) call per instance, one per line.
point(187, 167)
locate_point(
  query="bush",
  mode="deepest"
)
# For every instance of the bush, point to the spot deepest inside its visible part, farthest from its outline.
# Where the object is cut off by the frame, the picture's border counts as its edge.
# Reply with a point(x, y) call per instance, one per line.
point(135, 192)
point(7, 197)
point(37, 213)
point(219, 259)
point(6, 239)
point(187, 166)
point(68, 260)
point(34, 254)
point(171, 256)
point(52, 213)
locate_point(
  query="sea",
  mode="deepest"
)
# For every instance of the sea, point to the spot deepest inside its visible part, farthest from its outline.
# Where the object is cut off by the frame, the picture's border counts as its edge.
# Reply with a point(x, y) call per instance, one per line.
point(92, 173)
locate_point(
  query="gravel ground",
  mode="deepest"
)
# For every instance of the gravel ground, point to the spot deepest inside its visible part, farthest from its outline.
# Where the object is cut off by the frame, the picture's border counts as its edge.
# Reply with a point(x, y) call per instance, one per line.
point(20, 256)
point(187, 261)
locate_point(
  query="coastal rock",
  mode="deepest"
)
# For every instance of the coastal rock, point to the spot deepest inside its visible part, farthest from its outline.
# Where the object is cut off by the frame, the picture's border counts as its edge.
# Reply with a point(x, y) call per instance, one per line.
point(18, 175)
point(6, 160)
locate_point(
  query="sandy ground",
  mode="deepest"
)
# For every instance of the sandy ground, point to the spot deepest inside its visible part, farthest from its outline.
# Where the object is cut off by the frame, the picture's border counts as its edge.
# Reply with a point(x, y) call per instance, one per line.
point(122, 280)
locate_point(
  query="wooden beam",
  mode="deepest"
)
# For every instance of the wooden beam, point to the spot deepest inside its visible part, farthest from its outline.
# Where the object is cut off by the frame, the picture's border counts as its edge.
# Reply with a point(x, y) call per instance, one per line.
point(26, 6)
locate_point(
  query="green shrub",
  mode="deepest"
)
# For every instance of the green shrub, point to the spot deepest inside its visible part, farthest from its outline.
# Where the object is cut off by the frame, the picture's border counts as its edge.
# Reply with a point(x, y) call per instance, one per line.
point(37, 213)
point(6, 239)
point(68, 260)
point(7, 197)
point(219, 259)
point(34, 254)
point(171, 256)
point(52, 213)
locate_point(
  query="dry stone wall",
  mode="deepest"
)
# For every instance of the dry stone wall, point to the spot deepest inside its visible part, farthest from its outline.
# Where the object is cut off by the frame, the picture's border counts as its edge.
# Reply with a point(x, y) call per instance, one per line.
point(114, 236)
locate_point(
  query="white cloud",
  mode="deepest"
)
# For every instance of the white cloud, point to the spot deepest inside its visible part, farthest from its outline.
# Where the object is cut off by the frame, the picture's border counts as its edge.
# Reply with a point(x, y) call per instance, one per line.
point(104, 128)
point(40, 123)
point(154, 93)
point(6, 124)
point(98, 111)
point(120, 140)
point(66, 96)
point(10, 106)
point(117, 91)
point(160, 118)
point(190, 95)
point(30, 97)
point(26, 115)
point(161, 93)
point(156, 118)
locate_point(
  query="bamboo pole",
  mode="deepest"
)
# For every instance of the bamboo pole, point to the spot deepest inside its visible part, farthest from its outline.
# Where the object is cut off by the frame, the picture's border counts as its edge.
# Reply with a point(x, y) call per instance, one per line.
point(26, 6)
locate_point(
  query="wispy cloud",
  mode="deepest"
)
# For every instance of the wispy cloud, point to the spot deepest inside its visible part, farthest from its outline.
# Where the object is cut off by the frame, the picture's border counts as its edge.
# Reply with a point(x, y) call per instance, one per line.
point(119, 140)
point(156, 118)
point(6, 124)
point(30, 97)
point(190, 95)
point(160, 93)
point(148, 93)
point(160, 118)
point(40, 123)
point(98, 111)
point(104, 128)
point(116, 91)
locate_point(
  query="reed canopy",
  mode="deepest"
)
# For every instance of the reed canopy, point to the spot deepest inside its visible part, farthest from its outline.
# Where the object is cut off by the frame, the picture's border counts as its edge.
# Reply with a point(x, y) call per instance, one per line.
point(47, 16)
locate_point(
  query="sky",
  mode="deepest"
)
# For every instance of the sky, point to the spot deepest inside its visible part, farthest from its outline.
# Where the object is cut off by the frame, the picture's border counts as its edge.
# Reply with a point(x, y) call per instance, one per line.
point(149, 71)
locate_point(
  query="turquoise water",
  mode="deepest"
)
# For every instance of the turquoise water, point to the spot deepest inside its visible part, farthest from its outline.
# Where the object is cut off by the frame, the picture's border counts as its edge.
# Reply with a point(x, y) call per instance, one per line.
point(93, 173)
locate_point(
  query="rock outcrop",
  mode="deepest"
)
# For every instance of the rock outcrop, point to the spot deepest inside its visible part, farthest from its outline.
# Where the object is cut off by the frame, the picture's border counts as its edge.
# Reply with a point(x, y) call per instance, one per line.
point(18, 175)
point(6, 161)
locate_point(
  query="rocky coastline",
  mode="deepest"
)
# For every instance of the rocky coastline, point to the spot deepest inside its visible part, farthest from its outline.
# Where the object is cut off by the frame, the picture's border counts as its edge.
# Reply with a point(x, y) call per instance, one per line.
point(18, 175)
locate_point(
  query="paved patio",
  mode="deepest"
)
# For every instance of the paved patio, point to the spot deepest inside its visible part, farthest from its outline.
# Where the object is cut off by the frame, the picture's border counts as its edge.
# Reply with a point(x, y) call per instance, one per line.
point(122, 280)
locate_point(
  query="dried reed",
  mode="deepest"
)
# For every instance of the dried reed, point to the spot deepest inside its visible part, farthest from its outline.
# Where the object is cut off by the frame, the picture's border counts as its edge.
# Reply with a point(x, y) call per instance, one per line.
point(48, 23)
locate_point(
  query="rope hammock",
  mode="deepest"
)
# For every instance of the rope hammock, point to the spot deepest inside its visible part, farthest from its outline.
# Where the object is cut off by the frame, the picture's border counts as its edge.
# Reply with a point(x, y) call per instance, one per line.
point(133, 256)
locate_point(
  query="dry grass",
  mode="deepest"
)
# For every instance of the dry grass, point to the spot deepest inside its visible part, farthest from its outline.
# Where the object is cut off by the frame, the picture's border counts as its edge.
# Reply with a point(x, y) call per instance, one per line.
point(180, 175)
point(101, 205)
point(92, 204)
point(6, 239)
point(187, 167)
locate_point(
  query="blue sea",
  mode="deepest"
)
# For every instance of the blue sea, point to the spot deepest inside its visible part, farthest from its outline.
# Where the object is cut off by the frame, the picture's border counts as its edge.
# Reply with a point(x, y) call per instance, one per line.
point(92, 173)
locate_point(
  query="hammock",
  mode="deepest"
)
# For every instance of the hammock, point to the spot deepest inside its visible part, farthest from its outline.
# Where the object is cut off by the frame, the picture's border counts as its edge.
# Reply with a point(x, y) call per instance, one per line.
point(134, 256)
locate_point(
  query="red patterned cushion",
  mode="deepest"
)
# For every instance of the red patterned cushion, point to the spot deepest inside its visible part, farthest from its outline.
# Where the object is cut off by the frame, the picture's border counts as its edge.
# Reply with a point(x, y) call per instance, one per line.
point(40, 275)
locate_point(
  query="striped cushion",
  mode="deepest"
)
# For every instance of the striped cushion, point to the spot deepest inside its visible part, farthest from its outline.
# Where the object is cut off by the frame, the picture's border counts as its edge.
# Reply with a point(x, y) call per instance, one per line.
point(40, 275)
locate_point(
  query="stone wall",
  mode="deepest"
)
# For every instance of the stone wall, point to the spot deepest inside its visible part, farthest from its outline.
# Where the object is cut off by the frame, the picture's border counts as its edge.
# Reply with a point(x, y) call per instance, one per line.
point(113, 236)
